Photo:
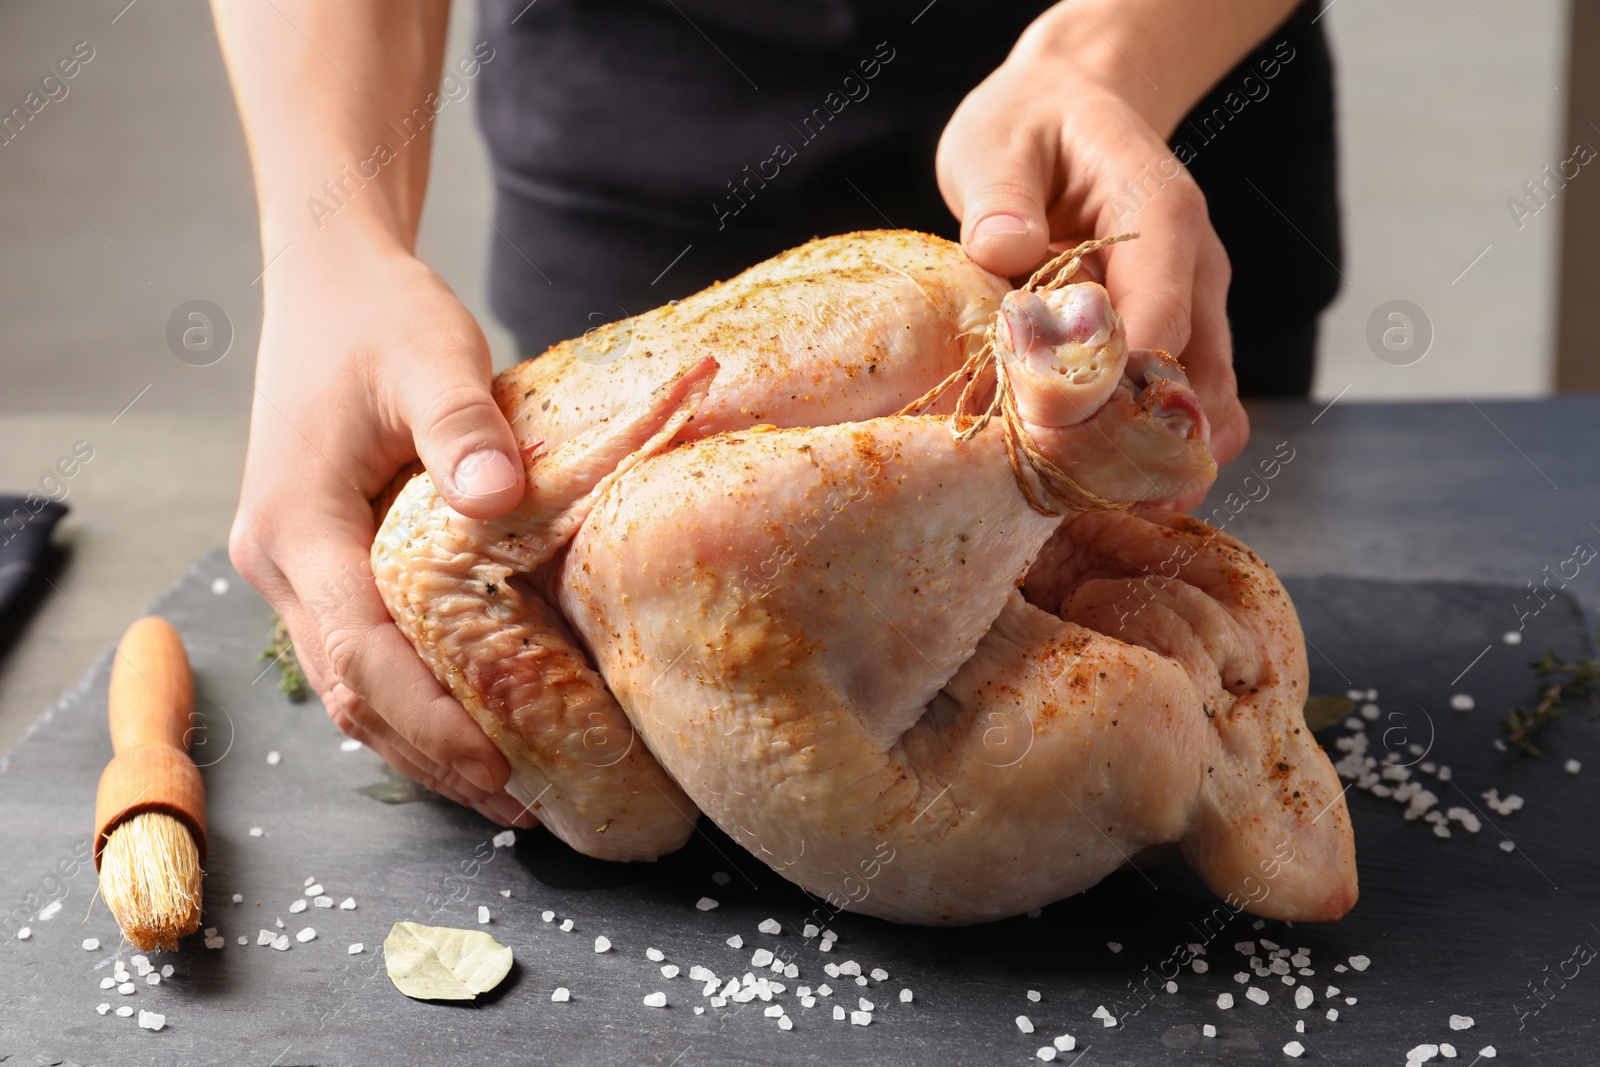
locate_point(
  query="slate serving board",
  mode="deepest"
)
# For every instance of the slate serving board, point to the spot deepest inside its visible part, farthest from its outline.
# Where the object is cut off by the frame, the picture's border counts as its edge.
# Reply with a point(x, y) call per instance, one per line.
point(1451, 927)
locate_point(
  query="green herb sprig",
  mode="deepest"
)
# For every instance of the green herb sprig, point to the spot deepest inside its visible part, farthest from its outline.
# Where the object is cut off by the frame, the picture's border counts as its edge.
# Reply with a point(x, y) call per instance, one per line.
point(1559, 681)
point(280, 650)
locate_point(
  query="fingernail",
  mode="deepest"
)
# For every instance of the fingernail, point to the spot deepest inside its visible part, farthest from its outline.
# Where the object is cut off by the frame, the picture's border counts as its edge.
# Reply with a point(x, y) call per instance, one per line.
point(474, 772)
point(485, 472)
point(999, 226)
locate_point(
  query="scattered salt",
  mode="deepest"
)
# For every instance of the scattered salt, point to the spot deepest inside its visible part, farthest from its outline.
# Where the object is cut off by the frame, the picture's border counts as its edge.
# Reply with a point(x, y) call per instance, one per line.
point(655, 955)
point(256, 831)
point(562, 995)
point(1065, 1043)
point(656, 1000)
point(1461, 1022)
point(721, 877)
point(281, 942)
point(350, 744)
point(24, 933)
point(1461, 702)
point(566, 926)
point(736, 941)
point(504, 839)
point(1511, 637)
point(879, 974)
point(356, 949)
point(308, 934)
point(126, 989)
point(238, 898)
point(1360, 963)
point(770, 926)
point(124, 1011)
point(905, 996)
point(219, 586)
point(1046, 1053)
point(314, 889)
point(860, 1018)
point(1333, 1015)
point(705, 904)
point(90, 944)
point(1114, 946)
point(151, 1020)
point(1258, 996)
point(483, 914)
point(761, 958)
point(1025, 1024)
point(1033, 995)
point(547, 916)
point(1225, 1001)
point(669, 970)
point(323, 901)
point(601, 943)
point(1208, 1030)
point(1572, 766)
point(1294, 1049)
point(349, 903)
point(274, 758)
point(297, 907)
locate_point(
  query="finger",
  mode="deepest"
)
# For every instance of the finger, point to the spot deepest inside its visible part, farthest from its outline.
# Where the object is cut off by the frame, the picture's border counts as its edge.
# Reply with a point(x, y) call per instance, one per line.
point(498, 808)
point(460, 434)
point(1151, 280)
point(1209, 358)
point(997, 181)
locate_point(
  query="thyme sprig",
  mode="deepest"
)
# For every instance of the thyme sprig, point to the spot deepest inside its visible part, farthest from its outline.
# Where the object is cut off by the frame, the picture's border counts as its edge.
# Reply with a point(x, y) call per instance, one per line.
point(280, 650)
point(1560, 680)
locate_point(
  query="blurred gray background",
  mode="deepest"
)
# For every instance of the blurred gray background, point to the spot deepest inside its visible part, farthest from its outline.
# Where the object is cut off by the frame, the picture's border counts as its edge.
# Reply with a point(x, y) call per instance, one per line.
point(132, 195)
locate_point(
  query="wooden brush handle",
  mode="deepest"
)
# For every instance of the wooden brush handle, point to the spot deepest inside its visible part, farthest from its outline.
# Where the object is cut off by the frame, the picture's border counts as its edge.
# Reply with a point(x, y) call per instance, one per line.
point(151, 712)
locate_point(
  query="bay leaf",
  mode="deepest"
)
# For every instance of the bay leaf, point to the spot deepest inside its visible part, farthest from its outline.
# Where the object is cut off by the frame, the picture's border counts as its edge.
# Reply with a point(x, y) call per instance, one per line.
point(442, 962)
point(1323, 711)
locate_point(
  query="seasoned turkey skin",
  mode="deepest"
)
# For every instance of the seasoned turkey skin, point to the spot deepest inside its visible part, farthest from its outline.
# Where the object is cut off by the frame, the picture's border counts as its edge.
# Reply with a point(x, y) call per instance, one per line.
point(744, 583)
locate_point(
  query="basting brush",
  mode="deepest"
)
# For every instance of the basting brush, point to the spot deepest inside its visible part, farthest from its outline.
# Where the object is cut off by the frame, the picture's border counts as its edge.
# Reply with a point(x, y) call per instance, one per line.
point(150, 813)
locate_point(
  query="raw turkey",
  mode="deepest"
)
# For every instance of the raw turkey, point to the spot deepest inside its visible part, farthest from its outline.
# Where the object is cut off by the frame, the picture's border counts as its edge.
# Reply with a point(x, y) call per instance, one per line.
point(853, 554)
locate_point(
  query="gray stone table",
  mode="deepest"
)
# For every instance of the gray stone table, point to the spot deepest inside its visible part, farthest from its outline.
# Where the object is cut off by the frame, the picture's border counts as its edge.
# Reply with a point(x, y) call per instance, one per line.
point(1409, 534)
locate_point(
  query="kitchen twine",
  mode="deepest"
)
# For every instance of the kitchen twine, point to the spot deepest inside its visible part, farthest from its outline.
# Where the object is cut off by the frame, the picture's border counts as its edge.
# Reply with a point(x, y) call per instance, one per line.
point(1020, 445)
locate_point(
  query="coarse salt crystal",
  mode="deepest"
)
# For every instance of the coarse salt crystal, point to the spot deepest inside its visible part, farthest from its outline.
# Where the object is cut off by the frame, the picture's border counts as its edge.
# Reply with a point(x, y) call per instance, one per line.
point(1422, 1054)
point(350, 744)
point(655, 955)
point(1333, 1015)
point(281, 942)
point(308, 934)
point(1065, 1043)
point(849, 967)
point(243, 940)
point(563, 994)
point(879, 974)
point(503, 892)
point(809, 930)
point(1572, 766)
point(770, 926)
point(566, 926)
point(1259, 996)
point(24, 933)
point(705, 904)
point(90, 944)
point(1360, 963)
point(1349, 1000)
point(256, 831)
point(774, 1011)
point(808, 1001)
point(1507, 845)
point(736, 941)
point(126, 989)
point(761, 958)
point(1303, 998)
point(297, 907)
point(1200, 966)
point(1114, 946)
point(125, 1011)
point(784, 1022)
point(1461, 1022)
point(504, 839)
point(151, 1020)
point(1461, 702)
point(905, 996)
point(669, 970)
point(1172, 987)
point(322, 902)
point(1033, 995)
point(483, 914)
point(1488, 1052)
point(1369, 712)
point(1294, 1049)
point(1025, 1024)
point(103, 1008)
point(656, 1000)
point(602, 943)
point(1511, 637)
point(1447, 1050)
point(356, 949)
point(1046, 1053)
point(152, 978)
point(219, 586)
point(860, 1018)
point(108, 982)
point(1208, 1030)
point(1224, 1001)
point(824, 990)
point(349, 903)
point(215, 942)
point(313, 887)
point(274, 758)
point(721, 877)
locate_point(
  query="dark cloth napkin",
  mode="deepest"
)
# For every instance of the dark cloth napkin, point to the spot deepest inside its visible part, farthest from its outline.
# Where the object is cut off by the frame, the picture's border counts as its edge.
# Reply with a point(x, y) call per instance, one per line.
point(24, 551)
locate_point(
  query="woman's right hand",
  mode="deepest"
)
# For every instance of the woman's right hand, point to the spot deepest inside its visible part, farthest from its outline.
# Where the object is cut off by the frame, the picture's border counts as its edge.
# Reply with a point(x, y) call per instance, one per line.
point(367, 362)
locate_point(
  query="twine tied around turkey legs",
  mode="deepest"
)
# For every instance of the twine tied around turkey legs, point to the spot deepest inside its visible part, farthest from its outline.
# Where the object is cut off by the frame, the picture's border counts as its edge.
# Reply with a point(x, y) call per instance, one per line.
point(1020, 445)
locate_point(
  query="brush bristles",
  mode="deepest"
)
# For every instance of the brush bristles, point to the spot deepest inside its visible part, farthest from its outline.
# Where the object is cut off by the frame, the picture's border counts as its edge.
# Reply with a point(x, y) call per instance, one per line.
point(150, 876)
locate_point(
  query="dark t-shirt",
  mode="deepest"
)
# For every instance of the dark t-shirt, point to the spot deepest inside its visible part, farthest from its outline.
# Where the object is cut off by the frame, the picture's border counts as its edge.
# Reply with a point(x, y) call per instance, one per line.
point(643, 149)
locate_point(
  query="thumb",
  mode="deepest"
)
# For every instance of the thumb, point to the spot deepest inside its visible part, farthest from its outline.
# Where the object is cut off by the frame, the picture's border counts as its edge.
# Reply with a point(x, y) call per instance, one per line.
point(997, 184)
point(461, 435)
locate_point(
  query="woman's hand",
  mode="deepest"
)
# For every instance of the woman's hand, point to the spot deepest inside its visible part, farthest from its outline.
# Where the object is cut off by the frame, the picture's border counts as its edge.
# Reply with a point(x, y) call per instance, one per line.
point(1066, 140)
point(368, 360)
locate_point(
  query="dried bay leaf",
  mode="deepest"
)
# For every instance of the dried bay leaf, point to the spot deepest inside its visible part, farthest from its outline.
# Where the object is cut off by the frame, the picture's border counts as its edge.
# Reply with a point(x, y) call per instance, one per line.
point(443, 963)
point(1323, 712)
